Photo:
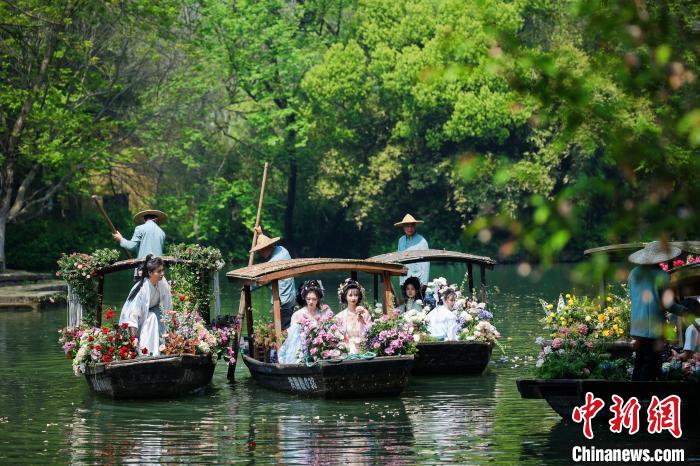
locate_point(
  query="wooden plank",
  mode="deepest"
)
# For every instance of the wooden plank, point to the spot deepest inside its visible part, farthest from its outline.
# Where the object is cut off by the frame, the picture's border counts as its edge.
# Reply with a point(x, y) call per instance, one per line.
point(470, 273)
point(277, 310)
point(376, 287)
point(482, 290)
point(247, 303)
point(133, 263)
point(386, 278)
point(100, 297)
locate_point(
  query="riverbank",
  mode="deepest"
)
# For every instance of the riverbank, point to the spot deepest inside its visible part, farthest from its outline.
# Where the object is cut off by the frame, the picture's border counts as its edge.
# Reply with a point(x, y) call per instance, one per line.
point(20, 289)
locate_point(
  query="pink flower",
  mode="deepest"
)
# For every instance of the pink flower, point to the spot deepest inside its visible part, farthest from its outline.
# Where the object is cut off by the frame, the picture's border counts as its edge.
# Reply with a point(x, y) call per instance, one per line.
point(556, 343)
point(583, 329)
point(663, 266)
point(313, 350)
point(564, 330)
point(376, 345)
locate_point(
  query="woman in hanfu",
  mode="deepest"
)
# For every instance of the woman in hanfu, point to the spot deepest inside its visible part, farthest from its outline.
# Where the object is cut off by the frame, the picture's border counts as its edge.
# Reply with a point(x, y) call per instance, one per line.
point(310, 293)
point(412, 294)
point(354, 320)
point(142, 309)
point(442, 322)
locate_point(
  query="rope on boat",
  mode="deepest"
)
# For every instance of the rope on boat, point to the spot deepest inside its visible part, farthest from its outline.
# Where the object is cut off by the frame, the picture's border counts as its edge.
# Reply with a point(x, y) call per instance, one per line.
point(348, 357)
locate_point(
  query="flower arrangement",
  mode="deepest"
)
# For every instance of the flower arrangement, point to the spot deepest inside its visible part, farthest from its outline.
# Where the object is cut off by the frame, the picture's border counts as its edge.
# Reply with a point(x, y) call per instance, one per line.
point(190, 281)
point(391, 336)
point(582, 317)
point(186, 333)
point(111, 342)
point(265, 339)
point(419, 322)
point(576, 358)
point(677, 369)
point(680, 262)
point(321, 339)
point(79, 271)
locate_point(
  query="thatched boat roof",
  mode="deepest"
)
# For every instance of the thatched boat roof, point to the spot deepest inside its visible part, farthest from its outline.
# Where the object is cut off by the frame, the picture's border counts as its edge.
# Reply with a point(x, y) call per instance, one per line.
point(688, 247)
point(433, 255)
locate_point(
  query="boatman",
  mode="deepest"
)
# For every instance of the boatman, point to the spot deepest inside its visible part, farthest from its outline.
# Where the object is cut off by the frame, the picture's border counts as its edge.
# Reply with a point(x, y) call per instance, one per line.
point(148, 237)
point(269, 251)
point(650, 296)
point(411, 241)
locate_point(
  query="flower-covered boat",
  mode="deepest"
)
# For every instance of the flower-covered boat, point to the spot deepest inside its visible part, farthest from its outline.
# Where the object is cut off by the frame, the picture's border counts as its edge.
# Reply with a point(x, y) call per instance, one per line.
point(470, 354)
point(584, 353)
point(332, 376)
point(110, 359)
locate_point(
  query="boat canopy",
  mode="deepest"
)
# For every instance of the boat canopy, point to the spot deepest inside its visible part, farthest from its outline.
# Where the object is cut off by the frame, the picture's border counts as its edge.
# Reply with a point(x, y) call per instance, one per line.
point(688, 247)
point(267, 272)
point(433, 255)
point(133, 263)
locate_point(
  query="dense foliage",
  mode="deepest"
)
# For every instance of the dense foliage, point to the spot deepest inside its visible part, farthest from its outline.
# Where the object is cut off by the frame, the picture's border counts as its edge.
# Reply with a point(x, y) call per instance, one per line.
point(537, 127)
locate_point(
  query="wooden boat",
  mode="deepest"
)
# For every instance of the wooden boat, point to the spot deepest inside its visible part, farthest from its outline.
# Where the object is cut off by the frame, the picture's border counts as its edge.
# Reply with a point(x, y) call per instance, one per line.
point(151, 377)
point(147, 377)
point(563, 395)
point(351, 378)
point(449, 357)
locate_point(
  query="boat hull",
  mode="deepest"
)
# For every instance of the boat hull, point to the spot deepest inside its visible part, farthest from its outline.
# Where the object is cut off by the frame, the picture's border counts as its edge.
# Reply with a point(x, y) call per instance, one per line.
point(563, 395)
point(385, 376)
point(151, 377)
point(452, 358)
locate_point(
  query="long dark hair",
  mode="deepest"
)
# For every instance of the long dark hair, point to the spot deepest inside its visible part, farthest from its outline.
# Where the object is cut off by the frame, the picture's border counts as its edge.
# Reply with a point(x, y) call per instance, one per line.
point(415, 281)
point(307, 287)
point(347, 285)
point(150, 265)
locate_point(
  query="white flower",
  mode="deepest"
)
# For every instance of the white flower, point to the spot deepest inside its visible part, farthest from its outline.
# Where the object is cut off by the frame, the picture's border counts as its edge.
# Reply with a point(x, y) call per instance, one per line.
point(419, 302)
point(539, 340)
point(539, 363)
point(416, 337)
point(547, 350)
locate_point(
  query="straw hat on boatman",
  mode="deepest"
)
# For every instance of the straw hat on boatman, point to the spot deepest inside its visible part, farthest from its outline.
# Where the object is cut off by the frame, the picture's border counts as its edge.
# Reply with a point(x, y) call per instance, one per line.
point(270, 251)
point(410, 241)
point(148, 237)
point(651, 296)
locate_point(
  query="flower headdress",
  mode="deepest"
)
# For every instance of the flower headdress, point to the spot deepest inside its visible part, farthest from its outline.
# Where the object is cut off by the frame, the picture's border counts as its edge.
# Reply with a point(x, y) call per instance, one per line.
point(348, 284)
point(309, 285)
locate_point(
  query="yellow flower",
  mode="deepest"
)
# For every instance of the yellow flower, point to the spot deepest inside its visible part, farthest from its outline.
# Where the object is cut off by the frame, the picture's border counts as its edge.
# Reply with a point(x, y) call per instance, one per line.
point(588, 318)
point(568, 296)
point(550, 306)
point(606, 333)
point(601, 318)
point(551, 314)
point(609, 299)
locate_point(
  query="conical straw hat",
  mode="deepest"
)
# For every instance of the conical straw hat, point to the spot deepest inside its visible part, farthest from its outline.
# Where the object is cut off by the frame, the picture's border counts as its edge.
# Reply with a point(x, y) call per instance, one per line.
point(654, 253)
point(139, 218)
point(408, 218)
point(263, 242)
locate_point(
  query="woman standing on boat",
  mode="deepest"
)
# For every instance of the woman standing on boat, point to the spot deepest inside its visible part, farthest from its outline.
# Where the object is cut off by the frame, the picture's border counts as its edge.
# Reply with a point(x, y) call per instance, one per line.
point(442, 322)
point(142, 309)
point(354, 320)
point(412, 294)
point(410, 241)
point(311, 294)
point(650, 296)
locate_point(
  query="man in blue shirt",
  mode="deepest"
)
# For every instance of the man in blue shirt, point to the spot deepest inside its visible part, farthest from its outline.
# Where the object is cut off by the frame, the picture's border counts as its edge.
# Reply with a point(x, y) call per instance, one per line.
point(412, 240)
point(651, 296)
point(269, 251)
point(148, 237)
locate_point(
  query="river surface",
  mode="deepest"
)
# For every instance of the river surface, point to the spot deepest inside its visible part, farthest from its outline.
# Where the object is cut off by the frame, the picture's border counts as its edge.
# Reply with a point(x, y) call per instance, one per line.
point(47, 415)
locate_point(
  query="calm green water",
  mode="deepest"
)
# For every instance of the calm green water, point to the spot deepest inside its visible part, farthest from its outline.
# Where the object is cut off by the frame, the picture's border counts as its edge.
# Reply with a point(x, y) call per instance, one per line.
point(47, 415)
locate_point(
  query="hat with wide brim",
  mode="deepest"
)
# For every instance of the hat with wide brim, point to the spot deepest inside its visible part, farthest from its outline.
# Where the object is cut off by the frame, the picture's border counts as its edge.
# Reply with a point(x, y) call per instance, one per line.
point(139, 218)
point(263, 242)
point(407, 220)
point(654, 253)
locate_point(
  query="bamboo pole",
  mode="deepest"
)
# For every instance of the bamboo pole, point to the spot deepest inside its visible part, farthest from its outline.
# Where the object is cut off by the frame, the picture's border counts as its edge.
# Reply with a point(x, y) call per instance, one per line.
point(109, 222)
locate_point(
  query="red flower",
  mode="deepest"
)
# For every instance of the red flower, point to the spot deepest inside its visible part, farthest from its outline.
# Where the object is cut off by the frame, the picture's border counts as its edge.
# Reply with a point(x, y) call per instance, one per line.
point(110, 338)
point(144, 350)
point(132, 338)
point(91, 338)
point(678, 262)
point(110, 314)
point(182, 297)
point(92, 347)
point(125, 325)
point(111, 349)
point(105, 330)
point(98, 348)
point(106, 358)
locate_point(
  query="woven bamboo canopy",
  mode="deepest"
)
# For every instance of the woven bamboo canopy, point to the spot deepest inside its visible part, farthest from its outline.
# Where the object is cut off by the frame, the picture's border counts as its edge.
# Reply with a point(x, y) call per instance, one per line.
point(688, 247)
point(133, 263)
point(266, 272)
point(433, 255)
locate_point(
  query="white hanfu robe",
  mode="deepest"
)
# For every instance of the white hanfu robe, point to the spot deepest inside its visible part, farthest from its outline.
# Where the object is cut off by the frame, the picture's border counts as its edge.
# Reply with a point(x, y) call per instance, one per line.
point(291, 350)
point(419, 269)
point(144, 313)
point(442, 323)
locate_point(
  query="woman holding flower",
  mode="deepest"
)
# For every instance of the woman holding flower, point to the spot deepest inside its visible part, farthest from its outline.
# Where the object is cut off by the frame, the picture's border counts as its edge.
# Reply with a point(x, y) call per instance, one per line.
point(354, 320)
point(142, 309)
point(412, 295)
point(311, 294)
point(442, 322)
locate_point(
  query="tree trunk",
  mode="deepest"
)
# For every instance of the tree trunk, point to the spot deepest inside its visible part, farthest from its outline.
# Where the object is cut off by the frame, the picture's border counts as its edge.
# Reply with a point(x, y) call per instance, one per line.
point(3, 224)
point(291, 197)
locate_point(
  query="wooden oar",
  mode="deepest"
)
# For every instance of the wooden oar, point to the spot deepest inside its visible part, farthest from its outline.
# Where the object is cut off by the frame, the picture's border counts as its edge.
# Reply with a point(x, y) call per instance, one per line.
point(242, 304)
point(109, 222)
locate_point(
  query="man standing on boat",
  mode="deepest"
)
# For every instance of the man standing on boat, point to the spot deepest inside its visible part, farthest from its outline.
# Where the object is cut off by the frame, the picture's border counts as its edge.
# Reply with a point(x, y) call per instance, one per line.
point(650, 296)
point(411, 241)
point(269, 251)
point(148, 237)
